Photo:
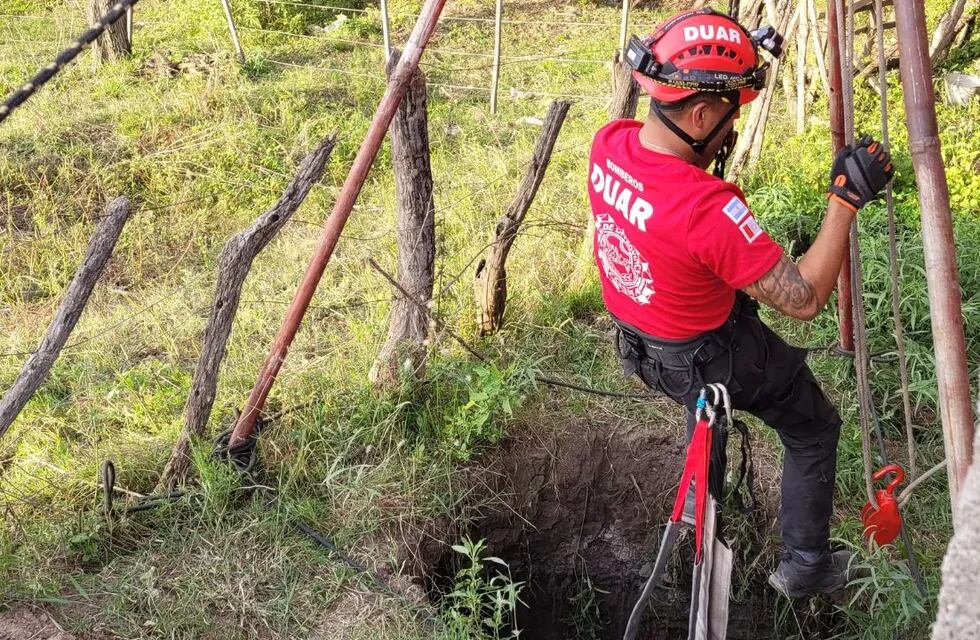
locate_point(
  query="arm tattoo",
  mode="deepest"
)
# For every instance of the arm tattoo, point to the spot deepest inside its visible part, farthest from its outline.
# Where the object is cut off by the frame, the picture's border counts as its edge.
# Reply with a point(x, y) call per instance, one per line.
point(786, 291)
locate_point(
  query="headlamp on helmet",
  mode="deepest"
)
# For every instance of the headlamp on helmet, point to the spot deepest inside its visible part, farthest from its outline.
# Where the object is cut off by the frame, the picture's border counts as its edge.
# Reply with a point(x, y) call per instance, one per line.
point(769, 39)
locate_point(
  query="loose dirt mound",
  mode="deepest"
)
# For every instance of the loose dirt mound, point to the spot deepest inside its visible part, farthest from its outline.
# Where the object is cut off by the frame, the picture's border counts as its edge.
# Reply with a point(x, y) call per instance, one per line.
point(24, 624)
point(582, 516)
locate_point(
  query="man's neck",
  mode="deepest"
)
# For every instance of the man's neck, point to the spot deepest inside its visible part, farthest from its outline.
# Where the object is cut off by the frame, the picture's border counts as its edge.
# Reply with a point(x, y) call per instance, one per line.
point(658, 138)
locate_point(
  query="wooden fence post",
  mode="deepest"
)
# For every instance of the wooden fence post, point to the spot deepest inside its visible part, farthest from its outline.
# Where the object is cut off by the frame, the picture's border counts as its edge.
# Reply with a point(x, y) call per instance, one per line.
point(624, 25)
point(490, 286)
point(402, 358)
point(498, 25)
point(226, 6)
point(385, 30)
point(233, 267)
point(39, 363)
point(113, 44)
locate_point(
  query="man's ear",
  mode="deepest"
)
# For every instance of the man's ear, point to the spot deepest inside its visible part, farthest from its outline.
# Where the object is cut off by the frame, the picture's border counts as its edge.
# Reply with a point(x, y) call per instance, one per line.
point(700, 113)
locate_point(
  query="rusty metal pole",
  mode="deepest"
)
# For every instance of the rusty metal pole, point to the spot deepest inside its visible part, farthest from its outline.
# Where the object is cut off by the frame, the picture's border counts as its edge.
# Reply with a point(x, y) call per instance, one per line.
point(844, 311)
point(945, 310)
point(397, 86)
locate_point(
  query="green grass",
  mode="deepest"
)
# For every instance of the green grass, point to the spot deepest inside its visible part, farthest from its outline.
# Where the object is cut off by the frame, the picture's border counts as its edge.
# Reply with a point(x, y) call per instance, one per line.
point(201, 154)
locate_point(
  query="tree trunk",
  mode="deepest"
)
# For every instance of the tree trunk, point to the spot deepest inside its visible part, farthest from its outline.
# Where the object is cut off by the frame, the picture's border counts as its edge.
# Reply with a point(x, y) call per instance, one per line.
point(114, 43)
point(959, 614)
point(626, 91)
point(945, 32)
point(750, 139)
point(233, 267)
point(490, 287)
point(802, 37)
point(39, 363)
point(402, 358)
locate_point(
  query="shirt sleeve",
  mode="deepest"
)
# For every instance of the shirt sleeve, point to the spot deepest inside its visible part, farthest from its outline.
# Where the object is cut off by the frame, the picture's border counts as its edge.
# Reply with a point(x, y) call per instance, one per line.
point(725, 237)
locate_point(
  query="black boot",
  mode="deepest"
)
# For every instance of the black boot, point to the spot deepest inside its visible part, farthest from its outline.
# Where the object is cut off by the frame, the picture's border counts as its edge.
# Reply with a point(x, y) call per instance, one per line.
point(801, 574)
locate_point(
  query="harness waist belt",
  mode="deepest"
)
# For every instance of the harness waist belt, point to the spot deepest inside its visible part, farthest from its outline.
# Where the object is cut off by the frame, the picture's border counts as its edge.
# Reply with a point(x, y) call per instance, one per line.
point(680, 354)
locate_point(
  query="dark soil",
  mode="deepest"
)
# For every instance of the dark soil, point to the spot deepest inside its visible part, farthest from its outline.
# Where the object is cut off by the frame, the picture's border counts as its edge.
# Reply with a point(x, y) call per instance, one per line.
point(580, 525)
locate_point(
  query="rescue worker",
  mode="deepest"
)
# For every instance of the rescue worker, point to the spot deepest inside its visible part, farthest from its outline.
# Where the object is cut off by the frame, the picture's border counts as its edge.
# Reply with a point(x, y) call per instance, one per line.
point(683, 261)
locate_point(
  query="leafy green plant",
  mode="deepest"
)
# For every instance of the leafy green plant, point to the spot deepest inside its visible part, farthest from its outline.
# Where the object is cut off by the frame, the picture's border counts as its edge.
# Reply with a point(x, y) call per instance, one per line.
point(585, 620)
point(885, 590)
point(479, 607)
point(493, 395)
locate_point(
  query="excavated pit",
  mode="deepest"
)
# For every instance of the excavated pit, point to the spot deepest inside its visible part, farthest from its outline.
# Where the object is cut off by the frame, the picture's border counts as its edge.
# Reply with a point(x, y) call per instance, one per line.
point(580, 520)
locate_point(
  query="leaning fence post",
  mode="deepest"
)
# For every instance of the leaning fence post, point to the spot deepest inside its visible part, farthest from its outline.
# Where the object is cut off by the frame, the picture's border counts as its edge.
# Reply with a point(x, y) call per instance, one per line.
point(233, 267)
point(39, 363)
point(233, 29)
point(497, 29)
point(490, 283)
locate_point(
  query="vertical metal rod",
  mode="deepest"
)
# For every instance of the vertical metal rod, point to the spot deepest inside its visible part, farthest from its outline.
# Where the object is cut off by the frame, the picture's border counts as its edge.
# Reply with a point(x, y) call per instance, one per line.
point(395, 91)
point(624, 27)
point(846, 333)
point(234, 30)
point(498, 25)
point(939, 247)
point(385, 33)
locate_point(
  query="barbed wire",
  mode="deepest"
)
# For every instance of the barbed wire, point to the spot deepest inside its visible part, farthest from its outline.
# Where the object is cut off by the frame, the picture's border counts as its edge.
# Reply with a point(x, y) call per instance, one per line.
point(518, 92)
point(406, 14)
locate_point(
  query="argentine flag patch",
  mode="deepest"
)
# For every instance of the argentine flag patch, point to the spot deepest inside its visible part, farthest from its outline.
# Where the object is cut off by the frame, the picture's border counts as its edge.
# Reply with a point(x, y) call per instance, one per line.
point(735, 209)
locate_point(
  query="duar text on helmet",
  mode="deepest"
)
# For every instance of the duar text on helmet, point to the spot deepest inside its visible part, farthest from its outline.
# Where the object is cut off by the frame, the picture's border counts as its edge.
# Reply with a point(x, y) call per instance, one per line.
point(709, 32)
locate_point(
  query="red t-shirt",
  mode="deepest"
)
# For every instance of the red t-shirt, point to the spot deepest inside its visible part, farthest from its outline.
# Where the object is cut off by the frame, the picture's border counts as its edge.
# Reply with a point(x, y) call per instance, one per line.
point(672, 241)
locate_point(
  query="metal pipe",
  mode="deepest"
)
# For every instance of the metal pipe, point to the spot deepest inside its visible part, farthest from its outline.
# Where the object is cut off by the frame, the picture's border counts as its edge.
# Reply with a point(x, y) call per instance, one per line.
point(233, 30)
point(844, 311)
point(397, 86)
point(945, 310)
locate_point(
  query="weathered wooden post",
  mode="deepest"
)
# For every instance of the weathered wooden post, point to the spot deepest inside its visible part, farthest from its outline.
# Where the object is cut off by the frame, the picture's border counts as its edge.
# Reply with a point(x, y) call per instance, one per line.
point(490, 285)
point(114, 43)
point(39, 363)
point(402, 358)
point(233, 266)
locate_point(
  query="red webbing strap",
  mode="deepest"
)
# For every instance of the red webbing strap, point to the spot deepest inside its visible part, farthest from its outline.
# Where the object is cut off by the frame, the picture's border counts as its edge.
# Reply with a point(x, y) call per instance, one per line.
point(696, 470)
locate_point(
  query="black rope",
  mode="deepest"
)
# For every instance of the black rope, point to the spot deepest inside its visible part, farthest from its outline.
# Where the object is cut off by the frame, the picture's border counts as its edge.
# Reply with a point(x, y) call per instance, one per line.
point(145, 503)
point(21, 95)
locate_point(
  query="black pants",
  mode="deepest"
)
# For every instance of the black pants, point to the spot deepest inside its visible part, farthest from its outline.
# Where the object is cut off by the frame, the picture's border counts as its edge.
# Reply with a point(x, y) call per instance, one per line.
point(771, 380)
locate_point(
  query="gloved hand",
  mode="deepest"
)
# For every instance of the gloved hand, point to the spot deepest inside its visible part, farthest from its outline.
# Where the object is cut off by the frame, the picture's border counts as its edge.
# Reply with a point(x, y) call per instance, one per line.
point(860, 172)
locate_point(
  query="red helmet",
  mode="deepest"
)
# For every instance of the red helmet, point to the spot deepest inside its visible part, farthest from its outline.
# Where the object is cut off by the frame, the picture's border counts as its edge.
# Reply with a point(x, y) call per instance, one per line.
point(701, 50)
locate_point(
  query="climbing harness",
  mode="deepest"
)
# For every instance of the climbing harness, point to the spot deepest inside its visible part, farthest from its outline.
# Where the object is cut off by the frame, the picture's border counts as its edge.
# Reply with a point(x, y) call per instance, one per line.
point(21, 95)
point(699, 493)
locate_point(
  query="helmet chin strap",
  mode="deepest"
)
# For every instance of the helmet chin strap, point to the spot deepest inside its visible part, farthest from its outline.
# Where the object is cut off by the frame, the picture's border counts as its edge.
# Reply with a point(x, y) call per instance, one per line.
point(698, 145)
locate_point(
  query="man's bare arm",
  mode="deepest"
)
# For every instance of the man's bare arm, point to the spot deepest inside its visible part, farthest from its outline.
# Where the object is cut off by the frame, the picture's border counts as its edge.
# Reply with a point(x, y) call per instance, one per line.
point(801, 291)
point(784, 289)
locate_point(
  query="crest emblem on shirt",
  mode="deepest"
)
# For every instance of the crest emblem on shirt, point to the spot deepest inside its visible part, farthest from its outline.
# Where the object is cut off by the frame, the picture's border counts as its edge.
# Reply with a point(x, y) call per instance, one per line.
point(621, 261)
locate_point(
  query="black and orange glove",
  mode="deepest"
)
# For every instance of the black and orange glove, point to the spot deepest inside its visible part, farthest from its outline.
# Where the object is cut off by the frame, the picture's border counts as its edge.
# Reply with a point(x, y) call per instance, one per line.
point(860, 172)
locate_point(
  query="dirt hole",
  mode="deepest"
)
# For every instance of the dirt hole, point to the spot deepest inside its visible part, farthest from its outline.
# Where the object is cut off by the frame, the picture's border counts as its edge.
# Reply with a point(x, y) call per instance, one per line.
point(579, 522)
